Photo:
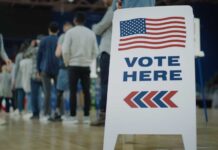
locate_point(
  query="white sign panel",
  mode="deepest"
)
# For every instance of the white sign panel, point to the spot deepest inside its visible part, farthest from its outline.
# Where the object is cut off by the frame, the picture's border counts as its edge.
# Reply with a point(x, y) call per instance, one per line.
point(152, 75)
point(197, 38)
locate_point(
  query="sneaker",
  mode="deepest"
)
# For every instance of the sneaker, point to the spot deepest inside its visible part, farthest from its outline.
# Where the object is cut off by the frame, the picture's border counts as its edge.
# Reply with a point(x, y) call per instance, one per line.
point(70, 119)
point(34, 118)
point(100, 121)
point(86, 120)
point(14, 113)
point(44, 119)
point(26, 116)
point(55, 118)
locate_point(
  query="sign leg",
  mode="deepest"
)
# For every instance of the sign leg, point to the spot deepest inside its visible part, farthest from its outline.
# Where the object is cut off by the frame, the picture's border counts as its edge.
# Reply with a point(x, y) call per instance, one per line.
point(189, 141)
point(110, 141)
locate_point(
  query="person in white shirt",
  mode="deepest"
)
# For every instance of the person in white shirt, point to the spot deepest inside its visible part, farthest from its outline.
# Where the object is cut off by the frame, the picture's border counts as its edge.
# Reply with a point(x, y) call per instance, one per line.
point(79, 50)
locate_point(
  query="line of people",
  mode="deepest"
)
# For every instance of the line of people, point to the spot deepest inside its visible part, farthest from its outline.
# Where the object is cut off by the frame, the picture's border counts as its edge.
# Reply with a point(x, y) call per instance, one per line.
point(63, 62)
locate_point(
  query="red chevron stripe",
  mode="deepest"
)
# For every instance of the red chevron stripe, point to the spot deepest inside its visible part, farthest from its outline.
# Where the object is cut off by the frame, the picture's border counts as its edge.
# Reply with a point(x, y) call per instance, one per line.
point(167, 99)
point(148, 99)
point(128, 99)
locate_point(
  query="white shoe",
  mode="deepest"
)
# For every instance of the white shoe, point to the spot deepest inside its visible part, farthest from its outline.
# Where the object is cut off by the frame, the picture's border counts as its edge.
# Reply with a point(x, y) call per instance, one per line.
point(15, 113)
point(43, 119)
point(27, 116)
point(86, 120)
point(70, 119)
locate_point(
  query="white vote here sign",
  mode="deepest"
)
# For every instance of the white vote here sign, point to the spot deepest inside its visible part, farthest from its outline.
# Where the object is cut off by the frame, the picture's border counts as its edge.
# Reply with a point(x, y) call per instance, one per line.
point(152, 75)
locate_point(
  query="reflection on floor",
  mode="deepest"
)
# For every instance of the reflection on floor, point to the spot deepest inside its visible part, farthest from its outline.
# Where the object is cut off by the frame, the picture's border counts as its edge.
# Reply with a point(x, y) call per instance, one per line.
point(19, 134)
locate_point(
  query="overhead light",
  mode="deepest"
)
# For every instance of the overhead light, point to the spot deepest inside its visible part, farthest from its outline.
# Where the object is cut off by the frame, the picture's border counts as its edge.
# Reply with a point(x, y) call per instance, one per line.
point(70, 1)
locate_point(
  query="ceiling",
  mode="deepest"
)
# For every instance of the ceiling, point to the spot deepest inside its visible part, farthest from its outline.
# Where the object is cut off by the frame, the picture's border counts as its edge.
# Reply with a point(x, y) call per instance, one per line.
point(66, 5)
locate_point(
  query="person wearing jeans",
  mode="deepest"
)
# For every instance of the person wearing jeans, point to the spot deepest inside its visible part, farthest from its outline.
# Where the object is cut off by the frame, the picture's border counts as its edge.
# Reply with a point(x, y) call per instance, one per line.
point(35, 82)
point(47, 86)
point(17, 77)
point(35, 94)
point(47, 65)
point(62, 79)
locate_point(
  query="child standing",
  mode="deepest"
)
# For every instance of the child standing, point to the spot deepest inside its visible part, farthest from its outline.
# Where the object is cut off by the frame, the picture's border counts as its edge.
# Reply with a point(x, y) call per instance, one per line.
point(5, 83)
point(4, 56)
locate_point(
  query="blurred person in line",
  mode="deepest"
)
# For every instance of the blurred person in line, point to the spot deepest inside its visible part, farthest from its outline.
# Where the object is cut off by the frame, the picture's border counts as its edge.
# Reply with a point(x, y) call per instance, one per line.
point(79, 50)
point(35, 80)
point(4, 56)
point(26, 69)
point(62, 79)
point(17, 78)
point(47, 65)
point(120, 4)
point(5, 85)
point(104, 29)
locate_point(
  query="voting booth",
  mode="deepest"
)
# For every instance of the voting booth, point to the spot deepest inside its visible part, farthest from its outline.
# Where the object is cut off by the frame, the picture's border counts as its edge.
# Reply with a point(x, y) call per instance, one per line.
point(152, 76)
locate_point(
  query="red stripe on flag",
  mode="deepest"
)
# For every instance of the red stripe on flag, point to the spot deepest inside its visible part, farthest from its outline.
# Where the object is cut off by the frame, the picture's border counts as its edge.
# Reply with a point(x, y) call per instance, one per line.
point(164, 23)
point(168, 27)
point(153, 38)
point(152, 47)
point(146, 42)
point(172, 31)
point(167, 18)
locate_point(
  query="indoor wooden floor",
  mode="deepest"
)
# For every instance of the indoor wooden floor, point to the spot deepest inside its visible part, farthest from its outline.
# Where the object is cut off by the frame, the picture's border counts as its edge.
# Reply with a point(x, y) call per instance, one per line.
point(33, 135)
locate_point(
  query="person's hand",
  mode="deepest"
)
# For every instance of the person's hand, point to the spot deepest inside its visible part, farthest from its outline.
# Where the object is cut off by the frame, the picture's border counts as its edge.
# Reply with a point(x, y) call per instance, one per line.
point(8, 62)
point(38, 76)
point(119, 4)
point(33, 43)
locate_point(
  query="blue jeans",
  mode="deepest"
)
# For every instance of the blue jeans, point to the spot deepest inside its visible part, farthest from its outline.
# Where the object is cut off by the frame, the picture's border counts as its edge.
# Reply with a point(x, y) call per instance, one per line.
point(29, 105)
point(47, 87)
point(20, 99)
point(35, 96)
point(104, 73)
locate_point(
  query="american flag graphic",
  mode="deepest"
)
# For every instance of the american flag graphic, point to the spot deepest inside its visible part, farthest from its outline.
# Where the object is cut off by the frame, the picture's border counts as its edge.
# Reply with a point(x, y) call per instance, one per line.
point(152, 33)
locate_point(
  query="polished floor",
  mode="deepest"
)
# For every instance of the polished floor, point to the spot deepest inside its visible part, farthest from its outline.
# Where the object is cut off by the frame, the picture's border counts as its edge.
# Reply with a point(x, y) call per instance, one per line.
point(19, 134)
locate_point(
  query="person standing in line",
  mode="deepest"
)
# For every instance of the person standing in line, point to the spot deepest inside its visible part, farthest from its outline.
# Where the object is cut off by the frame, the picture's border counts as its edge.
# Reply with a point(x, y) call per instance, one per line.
point(79, 50)
point(35, 82)
point(17, 79)
point(62, 80)
point(4, 56)
point(104, 29)
point(6, 91)
point(120, 4)
point(47, 65)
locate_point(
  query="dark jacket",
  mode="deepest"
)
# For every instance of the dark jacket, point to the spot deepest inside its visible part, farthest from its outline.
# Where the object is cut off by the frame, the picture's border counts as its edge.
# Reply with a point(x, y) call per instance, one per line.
point(47, 62)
